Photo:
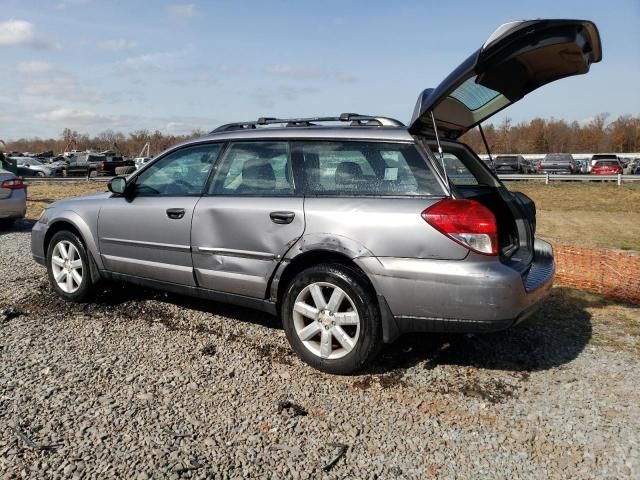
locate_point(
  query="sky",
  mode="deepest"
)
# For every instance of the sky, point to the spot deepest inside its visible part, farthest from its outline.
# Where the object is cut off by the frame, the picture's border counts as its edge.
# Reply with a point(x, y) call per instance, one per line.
point(126, 65)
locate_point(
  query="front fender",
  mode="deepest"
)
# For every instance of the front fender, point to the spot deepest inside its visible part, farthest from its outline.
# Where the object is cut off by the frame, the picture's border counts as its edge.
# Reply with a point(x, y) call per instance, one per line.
point(87, 232)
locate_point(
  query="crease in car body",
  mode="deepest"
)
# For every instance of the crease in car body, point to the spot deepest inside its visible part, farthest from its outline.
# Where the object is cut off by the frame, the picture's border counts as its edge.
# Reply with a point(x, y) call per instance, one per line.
point(351, 228)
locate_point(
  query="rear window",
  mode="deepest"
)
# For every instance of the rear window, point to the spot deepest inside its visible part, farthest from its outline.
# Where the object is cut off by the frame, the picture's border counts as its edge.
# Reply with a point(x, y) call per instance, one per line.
point(604, 156)
point(473, 95)
point(558, 157)
point(607, 163)
point(365, 168)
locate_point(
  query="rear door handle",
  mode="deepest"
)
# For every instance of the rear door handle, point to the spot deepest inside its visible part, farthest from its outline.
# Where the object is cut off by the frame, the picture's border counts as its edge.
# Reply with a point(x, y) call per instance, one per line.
point(175, 213)
point(282, 217)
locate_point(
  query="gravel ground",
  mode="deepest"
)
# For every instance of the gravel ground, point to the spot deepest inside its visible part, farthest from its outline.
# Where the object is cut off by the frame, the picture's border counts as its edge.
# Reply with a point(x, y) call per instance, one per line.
point(141, 384)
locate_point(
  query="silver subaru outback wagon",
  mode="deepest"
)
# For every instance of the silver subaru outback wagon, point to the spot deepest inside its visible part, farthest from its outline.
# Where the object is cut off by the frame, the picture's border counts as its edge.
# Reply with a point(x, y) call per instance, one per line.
point(354, 229)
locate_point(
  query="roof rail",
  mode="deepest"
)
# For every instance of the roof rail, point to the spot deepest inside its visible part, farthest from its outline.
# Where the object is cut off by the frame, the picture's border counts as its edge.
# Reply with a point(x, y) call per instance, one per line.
point(354, 119)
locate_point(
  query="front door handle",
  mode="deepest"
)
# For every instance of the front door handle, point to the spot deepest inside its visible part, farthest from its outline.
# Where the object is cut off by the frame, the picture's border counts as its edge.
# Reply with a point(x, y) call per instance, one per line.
point(175, 213)
point(282, 217)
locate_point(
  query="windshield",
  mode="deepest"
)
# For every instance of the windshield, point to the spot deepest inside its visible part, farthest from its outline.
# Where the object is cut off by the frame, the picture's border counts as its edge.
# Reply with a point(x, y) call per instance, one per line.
point(608, 163)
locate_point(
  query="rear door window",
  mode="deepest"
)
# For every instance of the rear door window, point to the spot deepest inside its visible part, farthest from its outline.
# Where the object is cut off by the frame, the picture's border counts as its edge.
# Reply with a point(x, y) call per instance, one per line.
point(364, 168)
point(254, 168)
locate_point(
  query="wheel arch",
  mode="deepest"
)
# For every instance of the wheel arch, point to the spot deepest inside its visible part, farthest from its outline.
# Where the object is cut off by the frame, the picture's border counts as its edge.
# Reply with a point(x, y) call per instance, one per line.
point(289, 268)
point(69, 220)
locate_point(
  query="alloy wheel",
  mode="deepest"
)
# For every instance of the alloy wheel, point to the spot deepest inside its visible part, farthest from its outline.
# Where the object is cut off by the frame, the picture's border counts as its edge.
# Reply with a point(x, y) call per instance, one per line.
point(328, 328)
point(67, 267)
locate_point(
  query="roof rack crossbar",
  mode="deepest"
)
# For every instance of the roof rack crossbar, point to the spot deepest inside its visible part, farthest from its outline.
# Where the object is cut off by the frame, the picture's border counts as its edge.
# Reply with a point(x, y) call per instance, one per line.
point(354, 119)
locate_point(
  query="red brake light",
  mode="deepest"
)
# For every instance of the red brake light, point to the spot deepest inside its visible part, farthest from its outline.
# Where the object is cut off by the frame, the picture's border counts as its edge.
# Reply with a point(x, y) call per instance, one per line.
point(13, 184)
point(467, 222)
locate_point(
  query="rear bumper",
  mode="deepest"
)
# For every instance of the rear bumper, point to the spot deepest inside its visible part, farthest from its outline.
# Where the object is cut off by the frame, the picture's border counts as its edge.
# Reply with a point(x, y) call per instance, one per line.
point(478, 294)
point(14, 206)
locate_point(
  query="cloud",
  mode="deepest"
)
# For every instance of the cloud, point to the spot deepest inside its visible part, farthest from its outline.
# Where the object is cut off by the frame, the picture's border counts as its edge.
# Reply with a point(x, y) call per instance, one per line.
point(117, 45)
point(271, 97)
point(183, 10)
point(21, 32)
point(70, 115)
point(71, 3)
point(33, 68)
point(16, 32)
point(309, 73)
point(57, 85)
point(145, 63)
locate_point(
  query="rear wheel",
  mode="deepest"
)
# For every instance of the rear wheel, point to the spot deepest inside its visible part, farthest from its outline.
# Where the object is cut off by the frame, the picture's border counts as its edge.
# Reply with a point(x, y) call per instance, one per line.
point(331, 318)
point(68, 267)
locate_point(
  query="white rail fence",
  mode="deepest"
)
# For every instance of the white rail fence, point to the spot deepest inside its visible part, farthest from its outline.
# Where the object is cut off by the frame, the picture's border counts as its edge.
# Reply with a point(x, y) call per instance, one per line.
point(546, 178)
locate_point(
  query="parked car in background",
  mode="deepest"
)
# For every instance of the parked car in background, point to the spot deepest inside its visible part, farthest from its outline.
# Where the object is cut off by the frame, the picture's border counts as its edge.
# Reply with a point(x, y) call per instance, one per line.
point(556, 163)
point(581, 165)
point(510, 164)
point(13, 198)
point(31, 167)
point(348, 227)
point(606, 167)
point(603, 156)
point(141, 161)
point(82, 164)
point(531, 166)
point(110, 165)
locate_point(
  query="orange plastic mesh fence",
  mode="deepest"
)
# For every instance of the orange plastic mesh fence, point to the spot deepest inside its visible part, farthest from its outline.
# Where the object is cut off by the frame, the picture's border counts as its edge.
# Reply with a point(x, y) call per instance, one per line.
point(610, 273)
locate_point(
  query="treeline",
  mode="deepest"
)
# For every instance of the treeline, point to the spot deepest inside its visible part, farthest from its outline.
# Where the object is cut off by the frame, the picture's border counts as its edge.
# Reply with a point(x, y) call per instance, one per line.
point(536, 136)
point(130, 144)
point(558, 136)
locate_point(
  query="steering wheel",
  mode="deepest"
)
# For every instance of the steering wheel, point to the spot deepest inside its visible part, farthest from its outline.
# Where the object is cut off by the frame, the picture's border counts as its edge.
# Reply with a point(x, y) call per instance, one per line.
point(184, 184)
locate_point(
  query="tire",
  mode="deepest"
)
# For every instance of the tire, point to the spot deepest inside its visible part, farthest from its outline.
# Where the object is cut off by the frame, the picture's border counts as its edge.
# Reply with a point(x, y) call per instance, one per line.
point(363, 340)
point(126, 170)
point(40, 174)
point(77, 292)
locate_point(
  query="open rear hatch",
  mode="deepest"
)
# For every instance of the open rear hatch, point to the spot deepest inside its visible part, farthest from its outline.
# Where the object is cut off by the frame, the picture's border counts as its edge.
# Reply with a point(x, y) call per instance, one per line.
point(518, 58)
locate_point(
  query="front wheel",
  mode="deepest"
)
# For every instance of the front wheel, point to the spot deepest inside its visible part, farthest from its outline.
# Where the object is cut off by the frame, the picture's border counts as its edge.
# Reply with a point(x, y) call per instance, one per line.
point(68, 267)
point(331, 318)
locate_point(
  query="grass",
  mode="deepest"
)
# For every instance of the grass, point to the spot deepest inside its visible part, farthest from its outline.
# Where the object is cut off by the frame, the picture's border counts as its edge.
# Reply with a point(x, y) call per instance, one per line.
point(590, 214)
point(41, 194)
point(595, 215)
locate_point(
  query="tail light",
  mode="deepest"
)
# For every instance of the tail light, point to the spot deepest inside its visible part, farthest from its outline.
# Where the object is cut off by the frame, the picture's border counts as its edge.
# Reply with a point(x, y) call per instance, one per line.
point(13, 184)
point(467, 222)
point(101, 164)
point(539, 166)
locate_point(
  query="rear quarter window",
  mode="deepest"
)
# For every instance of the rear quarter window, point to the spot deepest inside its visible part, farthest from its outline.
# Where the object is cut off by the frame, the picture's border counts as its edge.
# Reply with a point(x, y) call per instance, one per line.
point(365, 168)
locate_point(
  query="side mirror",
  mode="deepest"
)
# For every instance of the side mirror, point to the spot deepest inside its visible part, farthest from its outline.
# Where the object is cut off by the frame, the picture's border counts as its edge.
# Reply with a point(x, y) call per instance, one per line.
point(117, 185)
